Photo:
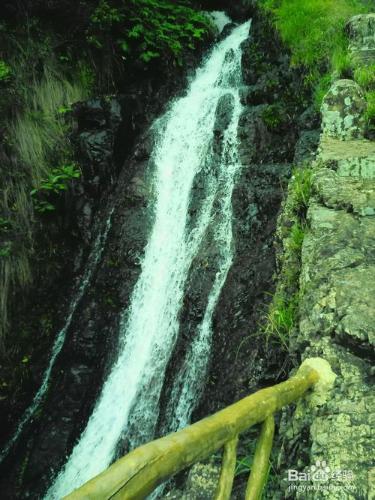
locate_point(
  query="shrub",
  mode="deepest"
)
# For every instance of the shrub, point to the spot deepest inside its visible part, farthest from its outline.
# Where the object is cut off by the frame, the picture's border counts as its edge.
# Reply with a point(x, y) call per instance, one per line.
point(313, 29)
point(301, 186)
point(282, 314)
point(297, 235)
point(321, 88)
point(148, 29)
point(39, 133)
point(281, 318)
point(57, 182)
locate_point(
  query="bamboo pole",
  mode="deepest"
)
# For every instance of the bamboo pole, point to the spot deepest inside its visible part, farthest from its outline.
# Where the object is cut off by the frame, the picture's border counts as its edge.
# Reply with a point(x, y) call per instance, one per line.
point(137, 474)
point(228, 469)
point(259, 469)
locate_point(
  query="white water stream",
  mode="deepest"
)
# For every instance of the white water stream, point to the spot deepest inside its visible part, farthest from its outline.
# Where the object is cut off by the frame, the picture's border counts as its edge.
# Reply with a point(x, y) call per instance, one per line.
point(149, 329)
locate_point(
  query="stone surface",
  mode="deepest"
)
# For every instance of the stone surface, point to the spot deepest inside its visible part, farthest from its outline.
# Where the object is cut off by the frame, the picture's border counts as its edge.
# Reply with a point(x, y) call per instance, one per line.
point(337, 322)
point(307, 145)
point(361, 30)
point(354, 195)
point(343, 111)
point(338, 294)
point(202, 482)
point(352, 151)
point(339, 432)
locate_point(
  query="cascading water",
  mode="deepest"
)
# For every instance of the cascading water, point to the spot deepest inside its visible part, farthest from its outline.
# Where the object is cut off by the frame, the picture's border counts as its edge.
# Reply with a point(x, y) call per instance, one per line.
point(93, 260)
point(149, 329)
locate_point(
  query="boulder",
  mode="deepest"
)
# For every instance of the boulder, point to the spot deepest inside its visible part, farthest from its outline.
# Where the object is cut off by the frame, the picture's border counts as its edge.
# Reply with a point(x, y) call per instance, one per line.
point(343, 110)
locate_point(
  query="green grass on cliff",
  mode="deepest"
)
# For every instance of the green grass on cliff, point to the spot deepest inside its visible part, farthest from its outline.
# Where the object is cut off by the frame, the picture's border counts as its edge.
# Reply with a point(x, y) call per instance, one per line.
point(37, 132)
point(314, 32)
point(314, 29)
point(281, 317)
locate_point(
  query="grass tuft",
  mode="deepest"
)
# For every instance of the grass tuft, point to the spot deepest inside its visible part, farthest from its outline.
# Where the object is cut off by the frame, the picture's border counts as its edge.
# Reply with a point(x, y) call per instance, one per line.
point(365, 76)
point(37, 134)
point(370, 112)
point(281, 317)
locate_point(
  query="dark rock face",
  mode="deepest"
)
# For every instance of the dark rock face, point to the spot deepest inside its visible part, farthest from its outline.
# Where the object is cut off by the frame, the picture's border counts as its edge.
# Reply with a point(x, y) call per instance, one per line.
point(80, 369)
point(240, 362)
point(114, 147)
point(306, 146)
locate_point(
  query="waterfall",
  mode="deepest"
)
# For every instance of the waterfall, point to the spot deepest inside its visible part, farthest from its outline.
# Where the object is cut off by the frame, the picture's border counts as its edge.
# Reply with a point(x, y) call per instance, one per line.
point(149, 329)
point(219, 18)
point(92, 262)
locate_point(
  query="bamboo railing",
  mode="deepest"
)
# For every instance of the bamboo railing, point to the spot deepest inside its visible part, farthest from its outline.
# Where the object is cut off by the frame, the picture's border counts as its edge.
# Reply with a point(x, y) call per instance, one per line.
point(137, 474)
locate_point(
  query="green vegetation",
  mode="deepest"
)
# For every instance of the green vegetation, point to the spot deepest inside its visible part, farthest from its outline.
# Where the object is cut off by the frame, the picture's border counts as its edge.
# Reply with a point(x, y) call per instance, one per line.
point(370, 113)
point(146, 30)
point(273, 116)
point(5, 71)
point(37, 126)
point(281, 319)
point(57, 182)
point(365, 76)
point(282, 315)
point(39, 134)
point(314, 31)
point(302, 188)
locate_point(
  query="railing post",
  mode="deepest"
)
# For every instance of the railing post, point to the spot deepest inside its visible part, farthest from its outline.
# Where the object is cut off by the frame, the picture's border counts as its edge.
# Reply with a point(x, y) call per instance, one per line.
point(259, 469)
point(228, 469)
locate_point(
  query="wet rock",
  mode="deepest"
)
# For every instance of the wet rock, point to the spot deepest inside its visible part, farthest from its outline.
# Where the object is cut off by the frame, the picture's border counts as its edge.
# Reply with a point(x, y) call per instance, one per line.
point(98, 122)
point(254, 135)
point(361, 30)
point(226, 31)
point(223, 115)
point(309, 119)
point(97, 148)
point(267, 89)
point(241, 10)
point(261, 144)
point(343, 111)
point(307, 145)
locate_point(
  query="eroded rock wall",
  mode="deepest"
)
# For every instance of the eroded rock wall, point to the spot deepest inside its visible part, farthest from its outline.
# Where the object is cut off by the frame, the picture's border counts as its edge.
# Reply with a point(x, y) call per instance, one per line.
point(337, 311)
